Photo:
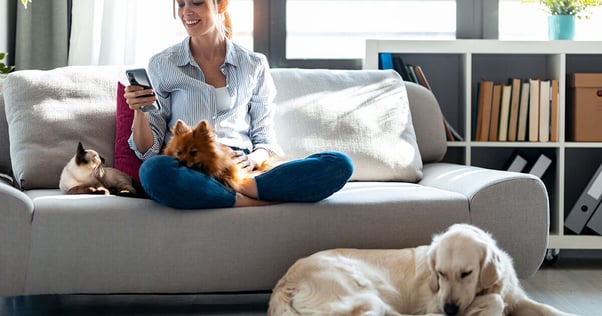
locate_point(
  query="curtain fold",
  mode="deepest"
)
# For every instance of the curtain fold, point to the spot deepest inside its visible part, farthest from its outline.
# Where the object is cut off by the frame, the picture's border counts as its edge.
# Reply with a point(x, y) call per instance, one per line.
point(42, 35)
point(117, 32)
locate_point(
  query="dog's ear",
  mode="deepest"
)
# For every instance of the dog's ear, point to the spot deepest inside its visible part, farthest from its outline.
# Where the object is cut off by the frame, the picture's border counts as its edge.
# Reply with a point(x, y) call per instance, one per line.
point(432, 260)
point(490, 269)
point(181, 128)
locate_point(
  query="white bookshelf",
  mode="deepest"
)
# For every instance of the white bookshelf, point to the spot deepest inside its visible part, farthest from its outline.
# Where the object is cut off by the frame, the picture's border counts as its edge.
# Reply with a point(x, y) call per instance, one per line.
point(453, 69)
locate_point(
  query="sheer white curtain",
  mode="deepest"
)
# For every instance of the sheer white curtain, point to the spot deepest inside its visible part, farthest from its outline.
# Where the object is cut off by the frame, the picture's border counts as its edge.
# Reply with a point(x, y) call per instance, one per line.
point(117, 32)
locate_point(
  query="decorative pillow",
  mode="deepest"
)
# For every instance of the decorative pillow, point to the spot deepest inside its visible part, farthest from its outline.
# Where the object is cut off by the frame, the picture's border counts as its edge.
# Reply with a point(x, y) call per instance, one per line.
point(49, 112)
point(125, 159)
point(365, 114)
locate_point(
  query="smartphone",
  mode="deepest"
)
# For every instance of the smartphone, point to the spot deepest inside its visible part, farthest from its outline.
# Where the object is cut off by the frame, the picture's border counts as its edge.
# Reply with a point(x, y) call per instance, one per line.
point(139, 77)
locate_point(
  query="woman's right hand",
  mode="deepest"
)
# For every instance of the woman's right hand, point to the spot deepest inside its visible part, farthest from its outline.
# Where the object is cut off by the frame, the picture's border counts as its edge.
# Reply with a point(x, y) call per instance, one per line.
point(137, 97)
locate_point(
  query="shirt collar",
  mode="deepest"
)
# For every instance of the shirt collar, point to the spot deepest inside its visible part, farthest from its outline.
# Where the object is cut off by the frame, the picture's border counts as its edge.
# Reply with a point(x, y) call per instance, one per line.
point(184, 55)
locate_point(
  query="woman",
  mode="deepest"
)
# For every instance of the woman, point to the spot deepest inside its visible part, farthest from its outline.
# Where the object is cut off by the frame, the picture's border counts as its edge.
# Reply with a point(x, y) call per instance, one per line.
point(208, 77)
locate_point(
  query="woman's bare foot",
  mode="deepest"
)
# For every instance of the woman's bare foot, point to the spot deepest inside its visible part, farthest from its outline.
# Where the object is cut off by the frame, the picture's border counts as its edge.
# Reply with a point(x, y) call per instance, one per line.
point(243, 200)
point(248, 187)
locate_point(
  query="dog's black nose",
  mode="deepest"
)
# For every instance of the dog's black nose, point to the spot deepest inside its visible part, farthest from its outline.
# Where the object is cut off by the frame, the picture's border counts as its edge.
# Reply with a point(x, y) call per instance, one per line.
point(451, 309)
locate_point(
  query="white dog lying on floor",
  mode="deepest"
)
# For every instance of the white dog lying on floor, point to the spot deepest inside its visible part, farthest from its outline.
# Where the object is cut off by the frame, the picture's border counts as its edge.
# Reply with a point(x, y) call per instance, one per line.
point(462, 272)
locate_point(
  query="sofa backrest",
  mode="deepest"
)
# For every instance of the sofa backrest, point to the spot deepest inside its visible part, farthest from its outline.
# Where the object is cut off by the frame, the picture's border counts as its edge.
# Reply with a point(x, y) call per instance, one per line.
point(88, 93)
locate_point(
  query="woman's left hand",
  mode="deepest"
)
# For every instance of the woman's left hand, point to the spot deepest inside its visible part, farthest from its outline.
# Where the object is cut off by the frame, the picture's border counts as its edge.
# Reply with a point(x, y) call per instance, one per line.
point(243, 160)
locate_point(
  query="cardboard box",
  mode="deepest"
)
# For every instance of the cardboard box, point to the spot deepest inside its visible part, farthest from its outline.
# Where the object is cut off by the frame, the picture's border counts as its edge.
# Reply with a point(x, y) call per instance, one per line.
point(585, 107)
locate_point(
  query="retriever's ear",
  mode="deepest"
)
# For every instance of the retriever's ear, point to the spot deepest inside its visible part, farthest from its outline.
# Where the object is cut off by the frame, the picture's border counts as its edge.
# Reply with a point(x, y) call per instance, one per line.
point(432, 260)
point(490, 269)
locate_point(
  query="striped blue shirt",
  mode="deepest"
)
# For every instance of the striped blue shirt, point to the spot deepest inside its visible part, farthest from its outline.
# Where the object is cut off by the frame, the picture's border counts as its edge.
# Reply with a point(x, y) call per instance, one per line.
point(183, 94)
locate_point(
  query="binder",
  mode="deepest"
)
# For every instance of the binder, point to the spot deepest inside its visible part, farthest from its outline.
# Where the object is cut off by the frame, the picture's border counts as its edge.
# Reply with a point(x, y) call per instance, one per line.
point(541, 166)
point(518, 164)
point(595, 223)
point(587, 203)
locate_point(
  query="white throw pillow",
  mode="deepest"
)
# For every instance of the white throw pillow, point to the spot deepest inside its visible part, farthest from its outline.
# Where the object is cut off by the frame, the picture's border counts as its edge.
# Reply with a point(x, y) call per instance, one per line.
point(49, 112)
point(365, 114)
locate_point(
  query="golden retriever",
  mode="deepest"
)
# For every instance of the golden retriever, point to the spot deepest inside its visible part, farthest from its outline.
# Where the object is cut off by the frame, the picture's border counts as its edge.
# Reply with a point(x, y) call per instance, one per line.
point(462, 272)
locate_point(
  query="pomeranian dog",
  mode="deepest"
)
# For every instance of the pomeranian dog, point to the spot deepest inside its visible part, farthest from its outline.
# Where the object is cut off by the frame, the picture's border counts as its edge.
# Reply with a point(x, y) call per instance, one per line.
point(197, 148)
point(85, 173)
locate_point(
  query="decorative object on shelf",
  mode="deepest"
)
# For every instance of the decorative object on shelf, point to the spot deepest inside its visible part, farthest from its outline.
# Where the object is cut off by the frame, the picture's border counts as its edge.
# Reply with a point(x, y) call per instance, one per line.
point(4, 69)
point(563, 13)
point(24, 2)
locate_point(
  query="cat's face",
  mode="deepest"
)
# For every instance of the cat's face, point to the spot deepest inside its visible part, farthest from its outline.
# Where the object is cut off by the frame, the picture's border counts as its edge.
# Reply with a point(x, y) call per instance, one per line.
point(88, 158)
point(195, 148)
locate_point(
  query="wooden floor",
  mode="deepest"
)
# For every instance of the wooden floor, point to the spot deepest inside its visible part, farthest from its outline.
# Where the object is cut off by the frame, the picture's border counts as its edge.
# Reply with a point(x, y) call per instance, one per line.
point(572, 285)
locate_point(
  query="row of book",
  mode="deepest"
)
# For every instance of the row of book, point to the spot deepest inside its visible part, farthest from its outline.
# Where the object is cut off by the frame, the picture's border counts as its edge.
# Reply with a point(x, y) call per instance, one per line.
point(517, 111)
point(415, 74)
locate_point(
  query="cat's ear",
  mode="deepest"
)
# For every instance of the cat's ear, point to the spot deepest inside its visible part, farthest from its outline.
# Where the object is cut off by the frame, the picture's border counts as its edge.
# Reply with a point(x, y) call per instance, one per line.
point(80, 149)
point(181, 128)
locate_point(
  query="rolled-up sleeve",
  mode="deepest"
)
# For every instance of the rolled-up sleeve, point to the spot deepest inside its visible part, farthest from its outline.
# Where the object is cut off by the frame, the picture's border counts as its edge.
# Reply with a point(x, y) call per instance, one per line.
point(262, 110)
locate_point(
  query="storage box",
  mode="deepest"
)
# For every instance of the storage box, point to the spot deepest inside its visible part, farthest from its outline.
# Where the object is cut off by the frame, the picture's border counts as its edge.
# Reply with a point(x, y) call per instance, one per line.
point(585, 107)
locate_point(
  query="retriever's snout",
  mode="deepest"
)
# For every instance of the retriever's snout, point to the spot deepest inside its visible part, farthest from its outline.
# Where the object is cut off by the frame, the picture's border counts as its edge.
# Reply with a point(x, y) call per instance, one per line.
point(451, 309)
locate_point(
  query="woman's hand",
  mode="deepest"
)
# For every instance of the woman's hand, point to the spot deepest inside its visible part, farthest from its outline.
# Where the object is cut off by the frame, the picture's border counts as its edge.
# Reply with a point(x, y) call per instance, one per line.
point(243, 160)
point(137, 97)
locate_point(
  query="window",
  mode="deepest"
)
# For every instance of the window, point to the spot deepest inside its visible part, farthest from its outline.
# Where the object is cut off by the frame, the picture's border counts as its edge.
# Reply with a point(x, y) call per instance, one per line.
point(337, 29)
point(528, 21)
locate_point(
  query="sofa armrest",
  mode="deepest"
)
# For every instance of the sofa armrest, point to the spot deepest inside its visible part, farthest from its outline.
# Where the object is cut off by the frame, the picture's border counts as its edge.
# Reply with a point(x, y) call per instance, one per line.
point(513, 207)
point(16, 215)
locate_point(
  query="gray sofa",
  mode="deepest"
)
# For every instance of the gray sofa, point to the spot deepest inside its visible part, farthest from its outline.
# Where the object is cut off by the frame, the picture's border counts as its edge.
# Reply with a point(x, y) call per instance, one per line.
point(51, 243)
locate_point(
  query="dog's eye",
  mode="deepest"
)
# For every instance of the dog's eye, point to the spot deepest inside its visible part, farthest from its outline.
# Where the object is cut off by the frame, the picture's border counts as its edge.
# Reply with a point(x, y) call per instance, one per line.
point(441, 274)
point(193, 152)
point(465, 274)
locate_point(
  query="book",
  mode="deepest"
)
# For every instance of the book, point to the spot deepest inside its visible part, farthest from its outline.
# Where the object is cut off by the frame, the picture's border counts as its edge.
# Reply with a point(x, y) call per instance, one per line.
point(544, 110)
point(504, 112)
point(484, 110)
point(554, 95)
point(495, 112)
point(421, 77)
point(400, 67)
point(521, 132)
point(533, 110)
point(540, 166)
point(514, 103)
point(385, 61)
point(517, 163)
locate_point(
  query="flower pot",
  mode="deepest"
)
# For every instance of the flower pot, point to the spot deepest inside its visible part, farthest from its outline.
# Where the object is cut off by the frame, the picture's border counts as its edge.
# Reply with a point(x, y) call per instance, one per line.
point(561, 27)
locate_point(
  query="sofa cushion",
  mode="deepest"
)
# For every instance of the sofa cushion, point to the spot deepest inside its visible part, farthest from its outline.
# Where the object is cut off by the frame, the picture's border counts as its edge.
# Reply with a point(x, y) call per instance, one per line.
point(364, 113)
point(125, 158)
point(48, 112)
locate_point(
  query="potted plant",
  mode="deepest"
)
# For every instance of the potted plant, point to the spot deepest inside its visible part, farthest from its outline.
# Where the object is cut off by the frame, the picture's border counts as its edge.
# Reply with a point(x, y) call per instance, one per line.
point(562, 15)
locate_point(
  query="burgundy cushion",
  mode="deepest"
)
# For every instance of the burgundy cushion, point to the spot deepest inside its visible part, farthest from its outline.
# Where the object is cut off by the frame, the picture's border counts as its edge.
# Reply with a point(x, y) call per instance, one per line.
point(125, 159)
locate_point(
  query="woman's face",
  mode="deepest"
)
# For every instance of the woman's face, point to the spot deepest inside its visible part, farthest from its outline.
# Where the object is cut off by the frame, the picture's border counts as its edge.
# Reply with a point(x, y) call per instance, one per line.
point(197, 16)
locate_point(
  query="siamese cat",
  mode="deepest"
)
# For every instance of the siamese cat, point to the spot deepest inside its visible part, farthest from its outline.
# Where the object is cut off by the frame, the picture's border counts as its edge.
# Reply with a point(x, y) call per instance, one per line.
point(85, 173)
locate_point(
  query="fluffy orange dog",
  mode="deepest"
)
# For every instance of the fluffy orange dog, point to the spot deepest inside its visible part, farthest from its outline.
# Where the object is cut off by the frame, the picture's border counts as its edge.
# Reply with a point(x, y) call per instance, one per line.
point(197, 148)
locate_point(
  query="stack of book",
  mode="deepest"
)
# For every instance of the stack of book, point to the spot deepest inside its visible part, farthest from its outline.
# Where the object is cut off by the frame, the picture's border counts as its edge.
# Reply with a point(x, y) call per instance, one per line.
point(415, 74)
point(520, 110)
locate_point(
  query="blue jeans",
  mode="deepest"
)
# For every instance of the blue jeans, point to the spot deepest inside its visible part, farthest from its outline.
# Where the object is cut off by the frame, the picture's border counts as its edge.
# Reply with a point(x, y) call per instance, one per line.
point(305, 180)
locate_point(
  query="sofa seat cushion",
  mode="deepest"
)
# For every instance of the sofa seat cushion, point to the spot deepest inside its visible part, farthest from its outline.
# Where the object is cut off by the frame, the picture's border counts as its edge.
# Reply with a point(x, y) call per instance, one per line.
point(85, 243)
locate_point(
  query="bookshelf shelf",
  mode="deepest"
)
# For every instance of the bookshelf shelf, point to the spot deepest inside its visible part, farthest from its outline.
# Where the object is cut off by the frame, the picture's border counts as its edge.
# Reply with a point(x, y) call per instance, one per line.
point(454, 69)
